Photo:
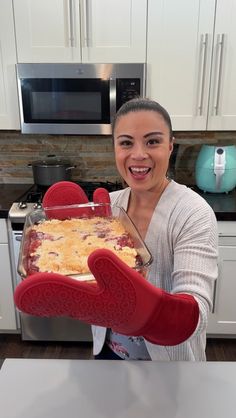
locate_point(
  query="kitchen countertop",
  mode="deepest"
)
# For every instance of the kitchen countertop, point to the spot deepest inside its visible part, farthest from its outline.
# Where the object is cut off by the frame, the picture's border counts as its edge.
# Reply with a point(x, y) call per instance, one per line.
point(39, 388)
point(224, 205)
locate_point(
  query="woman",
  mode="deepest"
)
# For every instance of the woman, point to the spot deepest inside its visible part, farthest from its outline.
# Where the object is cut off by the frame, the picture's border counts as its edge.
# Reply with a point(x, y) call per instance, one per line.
point(177, 225)
point(164, 317)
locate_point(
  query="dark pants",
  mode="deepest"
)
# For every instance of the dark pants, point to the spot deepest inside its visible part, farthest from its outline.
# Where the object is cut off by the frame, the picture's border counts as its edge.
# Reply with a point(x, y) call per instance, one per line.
point(107, 354)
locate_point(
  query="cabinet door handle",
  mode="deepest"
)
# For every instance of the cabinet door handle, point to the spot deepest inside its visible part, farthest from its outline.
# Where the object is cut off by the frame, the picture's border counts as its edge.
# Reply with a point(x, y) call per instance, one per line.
point(85, 22)
point(214, 297)
point(71, 23)
point(202, 74)
point(219, 57)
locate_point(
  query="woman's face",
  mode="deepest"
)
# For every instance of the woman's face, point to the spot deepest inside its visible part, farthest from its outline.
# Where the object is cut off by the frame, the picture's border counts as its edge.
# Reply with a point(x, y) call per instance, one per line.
point(142, 149)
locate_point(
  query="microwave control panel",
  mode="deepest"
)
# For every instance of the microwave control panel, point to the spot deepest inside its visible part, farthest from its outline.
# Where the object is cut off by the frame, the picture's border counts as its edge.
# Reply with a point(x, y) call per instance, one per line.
point(126, 89)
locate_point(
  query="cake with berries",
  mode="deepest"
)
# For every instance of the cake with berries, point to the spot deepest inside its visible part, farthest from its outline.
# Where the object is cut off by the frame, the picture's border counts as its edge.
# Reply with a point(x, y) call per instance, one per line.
point(63, 246)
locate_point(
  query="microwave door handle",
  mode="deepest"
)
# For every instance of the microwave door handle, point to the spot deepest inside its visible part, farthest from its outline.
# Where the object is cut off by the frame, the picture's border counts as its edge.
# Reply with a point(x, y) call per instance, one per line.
point(112, 97)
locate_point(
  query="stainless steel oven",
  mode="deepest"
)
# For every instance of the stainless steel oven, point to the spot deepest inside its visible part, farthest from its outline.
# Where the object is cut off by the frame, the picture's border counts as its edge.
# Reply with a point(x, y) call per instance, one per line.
point(75, 98)
point(31, 327)
point(45, 329)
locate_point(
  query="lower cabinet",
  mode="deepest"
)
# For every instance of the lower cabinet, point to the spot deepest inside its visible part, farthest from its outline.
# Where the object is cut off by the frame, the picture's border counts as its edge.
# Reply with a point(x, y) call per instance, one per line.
point(7, 308)
point(223, 318)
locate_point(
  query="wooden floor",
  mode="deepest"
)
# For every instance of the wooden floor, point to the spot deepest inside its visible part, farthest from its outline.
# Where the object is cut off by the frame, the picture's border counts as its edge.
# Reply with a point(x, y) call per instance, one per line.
point(221, 349)
point(11, 346)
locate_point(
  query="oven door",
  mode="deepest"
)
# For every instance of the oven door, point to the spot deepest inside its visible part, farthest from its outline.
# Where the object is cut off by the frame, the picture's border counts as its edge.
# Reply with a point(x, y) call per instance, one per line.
point(45, 329)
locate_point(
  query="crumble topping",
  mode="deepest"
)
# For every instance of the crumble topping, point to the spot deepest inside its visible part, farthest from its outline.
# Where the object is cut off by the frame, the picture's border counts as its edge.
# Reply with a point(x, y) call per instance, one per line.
point(63, 246)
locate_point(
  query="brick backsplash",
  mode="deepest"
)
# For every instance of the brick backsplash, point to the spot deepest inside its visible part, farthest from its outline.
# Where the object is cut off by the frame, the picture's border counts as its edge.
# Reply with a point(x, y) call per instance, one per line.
point(92, 155)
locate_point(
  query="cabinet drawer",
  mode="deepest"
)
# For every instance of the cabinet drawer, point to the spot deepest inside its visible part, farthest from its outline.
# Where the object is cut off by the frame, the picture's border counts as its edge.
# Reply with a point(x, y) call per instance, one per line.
point(227, 241)
point(3, 232)
point(227, 229)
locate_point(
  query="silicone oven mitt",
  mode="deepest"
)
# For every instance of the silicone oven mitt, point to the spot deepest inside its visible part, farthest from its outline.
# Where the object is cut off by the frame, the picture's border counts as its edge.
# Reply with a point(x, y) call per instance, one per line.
point(120, 299)
point(67, 193)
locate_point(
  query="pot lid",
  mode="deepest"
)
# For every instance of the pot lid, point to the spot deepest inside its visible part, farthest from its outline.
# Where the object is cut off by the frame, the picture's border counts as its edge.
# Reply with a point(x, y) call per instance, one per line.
point(51, 162)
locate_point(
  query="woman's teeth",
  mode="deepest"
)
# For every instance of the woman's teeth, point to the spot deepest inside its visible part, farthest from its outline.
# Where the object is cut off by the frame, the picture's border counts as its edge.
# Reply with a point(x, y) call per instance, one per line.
point(139, 170)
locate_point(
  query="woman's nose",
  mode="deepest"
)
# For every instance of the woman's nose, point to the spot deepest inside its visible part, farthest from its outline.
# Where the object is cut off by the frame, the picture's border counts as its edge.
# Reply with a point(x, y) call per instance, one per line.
point(139, 153)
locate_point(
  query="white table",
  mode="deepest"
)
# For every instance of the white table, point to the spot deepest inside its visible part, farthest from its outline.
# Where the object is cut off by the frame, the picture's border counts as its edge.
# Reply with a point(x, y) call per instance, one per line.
point(88, 389)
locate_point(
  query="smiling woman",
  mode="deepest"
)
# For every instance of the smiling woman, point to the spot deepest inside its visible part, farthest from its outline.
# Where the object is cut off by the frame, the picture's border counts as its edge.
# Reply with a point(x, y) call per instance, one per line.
point(164, 316)
point(143, 143)
point(142, 149)
point(180, 230)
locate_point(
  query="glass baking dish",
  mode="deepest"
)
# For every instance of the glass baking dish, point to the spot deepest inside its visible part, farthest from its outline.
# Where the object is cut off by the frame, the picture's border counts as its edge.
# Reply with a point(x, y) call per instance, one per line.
point(102, 215)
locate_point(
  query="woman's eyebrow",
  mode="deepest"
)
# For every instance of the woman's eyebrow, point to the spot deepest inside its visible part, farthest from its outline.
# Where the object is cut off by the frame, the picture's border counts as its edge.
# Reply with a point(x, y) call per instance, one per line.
point(153, 133)
point(145, 136)
point(124, 136)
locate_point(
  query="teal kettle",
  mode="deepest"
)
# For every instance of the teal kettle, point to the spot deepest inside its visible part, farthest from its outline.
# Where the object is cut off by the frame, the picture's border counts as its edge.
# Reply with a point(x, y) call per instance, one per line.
point(215, 169)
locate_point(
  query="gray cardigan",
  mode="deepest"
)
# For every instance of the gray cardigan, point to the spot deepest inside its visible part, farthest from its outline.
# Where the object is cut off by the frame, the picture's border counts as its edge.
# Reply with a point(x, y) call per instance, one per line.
point(182, 238)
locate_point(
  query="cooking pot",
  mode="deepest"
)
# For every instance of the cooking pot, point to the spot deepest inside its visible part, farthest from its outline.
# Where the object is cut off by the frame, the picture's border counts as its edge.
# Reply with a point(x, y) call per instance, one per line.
point(51, 170)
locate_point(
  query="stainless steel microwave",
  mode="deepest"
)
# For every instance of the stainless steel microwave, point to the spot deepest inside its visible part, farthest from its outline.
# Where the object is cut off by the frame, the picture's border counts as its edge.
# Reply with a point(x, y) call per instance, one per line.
point(78, 99)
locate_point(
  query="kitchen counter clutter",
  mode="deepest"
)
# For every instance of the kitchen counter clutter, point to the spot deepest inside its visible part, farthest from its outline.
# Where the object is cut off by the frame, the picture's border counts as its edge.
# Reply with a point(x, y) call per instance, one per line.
point(100, 389)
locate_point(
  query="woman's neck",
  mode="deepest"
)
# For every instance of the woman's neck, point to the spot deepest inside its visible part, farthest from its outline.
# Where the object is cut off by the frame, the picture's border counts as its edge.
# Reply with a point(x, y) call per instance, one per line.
point(141, 207)
point(149, 198)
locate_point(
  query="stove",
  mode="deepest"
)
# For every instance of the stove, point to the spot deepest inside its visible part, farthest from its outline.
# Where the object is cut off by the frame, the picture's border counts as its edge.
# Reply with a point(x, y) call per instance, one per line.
point(32, 199)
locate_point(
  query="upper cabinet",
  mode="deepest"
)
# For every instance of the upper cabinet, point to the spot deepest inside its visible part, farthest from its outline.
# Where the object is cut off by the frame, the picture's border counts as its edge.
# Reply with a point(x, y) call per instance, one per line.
point(222, 108)
point(191, 62)
point(9, 112)
point(80, 30)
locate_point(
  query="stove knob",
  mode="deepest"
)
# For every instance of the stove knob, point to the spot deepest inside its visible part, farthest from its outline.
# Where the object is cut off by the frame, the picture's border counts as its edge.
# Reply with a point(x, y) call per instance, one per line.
point(37, 205)
point(22, 205)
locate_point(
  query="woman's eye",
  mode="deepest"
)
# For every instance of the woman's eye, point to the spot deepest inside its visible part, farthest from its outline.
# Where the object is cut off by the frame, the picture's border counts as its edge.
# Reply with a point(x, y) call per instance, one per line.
point(125, 143)
point(153, 141)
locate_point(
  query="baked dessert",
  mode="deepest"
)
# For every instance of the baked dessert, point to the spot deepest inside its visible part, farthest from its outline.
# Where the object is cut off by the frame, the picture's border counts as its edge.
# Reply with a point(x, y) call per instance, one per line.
point(63, 246)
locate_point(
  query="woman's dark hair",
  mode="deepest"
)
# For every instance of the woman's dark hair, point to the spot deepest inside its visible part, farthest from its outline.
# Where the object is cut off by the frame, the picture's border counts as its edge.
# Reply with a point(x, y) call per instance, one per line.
point(139, 104)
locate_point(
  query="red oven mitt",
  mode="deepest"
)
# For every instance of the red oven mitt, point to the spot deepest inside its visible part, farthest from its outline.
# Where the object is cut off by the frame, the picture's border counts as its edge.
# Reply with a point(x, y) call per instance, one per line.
point(67, 193)
point(120, 299)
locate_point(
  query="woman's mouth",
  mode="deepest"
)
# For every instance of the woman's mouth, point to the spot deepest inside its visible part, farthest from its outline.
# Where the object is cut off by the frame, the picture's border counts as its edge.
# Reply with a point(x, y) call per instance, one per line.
point(139, 172)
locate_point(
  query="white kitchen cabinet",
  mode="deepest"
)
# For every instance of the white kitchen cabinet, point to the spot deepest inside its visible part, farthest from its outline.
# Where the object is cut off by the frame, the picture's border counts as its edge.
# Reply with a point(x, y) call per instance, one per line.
point(223, 318)
point(9, 112)
point(80, 30)
point(191, 62)
point(7, 308)
point(222, 106)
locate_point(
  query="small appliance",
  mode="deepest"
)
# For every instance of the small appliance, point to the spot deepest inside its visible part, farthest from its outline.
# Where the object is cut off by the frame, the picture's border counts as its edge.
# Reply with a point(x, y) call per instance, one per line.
point(77, 99)
point(215, 170)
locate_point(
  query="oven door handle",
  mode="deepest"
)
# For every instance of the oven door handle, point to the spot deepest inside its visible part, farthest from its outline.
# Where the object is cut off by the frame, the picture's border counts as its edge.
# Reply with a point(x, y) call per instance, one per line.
point(18, 237)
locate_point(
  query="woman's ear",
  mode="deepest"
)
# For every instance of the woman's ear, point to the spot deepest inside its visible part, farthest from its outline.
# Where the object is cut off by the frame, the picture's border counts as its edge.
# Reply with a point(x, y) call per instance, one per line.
point(171, 146)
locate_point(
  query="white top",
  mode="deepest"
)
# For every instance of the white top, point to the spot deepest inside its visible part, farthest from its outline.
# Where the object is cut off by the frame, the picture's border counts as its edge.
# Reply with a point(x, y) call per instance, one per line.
point(182, 238)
